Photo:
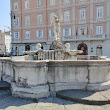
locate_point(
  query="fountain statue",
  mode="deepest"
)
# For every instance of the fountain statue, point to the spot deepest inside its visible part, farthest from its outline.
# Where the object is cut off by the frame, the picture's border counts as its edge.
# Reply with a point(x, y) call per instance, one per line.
point(57, 51)
point(56, 23)
point(56, 44)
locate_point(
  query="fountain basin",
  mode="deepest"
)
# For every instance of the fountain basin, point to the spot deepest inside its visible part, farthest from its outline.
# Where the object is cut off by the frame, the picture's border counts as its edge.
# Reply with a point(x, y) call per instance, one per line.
point(38, 79)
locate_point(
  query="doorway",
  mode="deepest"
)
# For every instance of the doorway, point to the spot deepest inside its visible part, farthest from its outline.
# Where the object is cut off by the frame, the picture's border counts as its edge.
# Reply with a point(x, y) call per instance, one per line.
point(84, 48)
point(16, 51)
point(27, 48)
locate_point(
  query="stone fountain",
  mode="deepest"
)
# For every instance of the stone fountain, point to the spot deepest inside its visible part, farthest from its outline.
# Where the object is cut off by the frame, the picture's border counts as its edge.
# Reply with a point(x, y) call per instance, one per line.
point(44, 72)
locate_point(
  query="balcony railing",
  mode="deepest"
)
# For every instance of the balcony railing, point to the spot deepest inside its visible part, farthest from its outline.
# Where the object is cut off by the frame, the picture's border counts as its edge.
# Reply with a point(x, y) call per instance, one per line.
point(99, 1)
point(82, 2)
point(83, 38)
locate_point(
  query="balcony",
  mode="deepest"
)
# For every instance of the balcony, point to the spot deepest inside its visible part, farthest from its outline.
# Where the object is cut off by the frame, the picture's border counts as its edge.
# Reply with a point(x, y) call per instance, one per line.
point(82, 2)
point(99, 1)
point(65, 5)
point(82, 21)
point(83, 38)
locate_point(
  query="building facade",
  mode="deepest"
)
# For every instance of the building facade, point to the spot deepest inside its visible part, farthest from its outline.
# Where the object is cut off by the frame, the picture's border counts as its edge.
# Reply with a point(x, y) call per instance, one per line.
point(5, 42)
point(85, 25)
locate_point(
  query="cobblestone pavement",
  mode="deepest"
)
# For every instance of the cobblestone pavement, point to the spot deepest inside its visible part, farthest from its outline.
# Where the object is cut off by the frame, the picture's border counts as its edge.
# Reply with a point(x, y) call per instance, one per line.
point(7, 102)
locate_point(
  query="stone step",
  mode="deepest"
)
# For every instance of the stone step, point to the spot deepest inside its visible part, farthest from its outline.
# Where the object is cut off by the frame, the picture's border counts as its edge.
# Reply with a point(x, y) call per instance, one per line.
point(85, 97)
point(7, 100)
point(4, 85)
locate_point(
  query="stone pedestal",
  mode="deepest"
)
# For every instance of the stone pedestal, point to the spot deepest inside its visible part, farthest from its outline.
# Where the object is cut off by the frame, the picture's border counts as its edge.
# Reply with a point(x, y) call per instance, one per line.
point(32, 92)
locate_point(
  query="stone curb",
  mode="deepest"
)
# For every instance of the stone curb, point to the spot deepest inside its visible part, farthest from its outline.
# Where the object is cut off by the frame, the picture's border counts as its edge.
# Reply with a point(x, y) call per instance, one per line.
point(82, 101)
point(4, 88)
point(4, 85)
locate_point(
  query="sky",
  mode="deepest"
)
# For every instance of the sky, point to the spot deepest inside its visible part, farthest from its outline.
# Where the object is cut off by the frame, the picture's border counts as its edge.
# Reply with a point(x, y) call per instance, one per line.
point(5, 14)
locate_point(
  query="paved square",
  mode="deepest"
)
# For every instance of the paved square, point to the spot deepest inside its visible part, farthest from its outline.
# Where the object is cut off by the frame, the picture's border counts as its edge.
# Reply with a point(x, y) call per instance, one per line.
point(8, 102)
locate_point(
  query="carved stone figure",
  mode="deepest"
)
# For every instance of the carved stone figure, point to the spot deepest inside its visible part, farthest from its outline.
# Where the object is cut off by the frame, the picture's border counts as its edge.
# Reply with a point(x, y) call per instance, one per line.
point(22, 81)
point(38, 46)
point(56, 45)
point(56, 24)
point(71, 54)
point(67, 47)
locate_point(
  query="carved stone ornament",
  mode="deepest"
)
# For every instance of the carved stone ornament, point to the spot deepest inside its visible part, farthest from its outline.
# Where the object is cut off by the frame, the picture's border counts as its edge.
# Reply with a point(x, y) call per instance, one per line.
point(59, 55)
point(40, 55)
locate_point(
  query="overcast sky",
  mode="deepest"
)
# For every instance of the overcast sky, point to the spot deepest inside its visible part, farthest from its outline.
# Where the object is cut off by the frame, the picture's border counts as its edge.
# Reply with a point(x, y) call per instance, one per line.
point(4, 14)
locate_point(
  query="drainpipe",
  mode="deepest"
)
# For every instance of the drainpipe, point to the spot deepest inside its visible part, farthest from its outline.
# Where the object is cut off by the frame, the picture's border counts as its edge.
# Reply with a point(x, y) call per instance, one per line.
point(47, 21)
point(11, 28)
point(21, 23)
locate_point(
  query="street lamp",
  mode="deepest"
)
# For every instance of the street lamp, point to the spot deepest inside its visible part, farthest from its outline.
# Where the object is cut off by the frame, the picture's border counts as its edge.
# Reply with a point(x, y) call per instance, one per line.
point(12, 15)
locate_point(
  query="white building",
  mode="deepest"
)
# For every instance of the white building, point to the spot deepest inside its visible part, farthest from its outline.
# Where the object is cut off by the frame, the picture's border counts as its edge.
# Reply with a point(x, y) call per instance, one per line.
point(5, 41)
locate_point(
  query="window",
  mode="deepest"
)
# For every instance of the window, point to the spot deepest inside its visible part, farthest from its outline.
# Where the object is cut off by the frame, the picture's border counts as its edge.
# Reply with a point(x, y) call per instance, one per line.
point(66, 16)
point(99, 12)
point(67, 32)
point(99, 30)
point(39, 3)
point(52, 16)
point(26, 3)
point(16, 21)
point(52, 2)
point(51, 33)
point(27, 34)
point(16, 35)
point(16, 6)
point(39, 33)
point(39, 19)
point(82, 30)
point(27, 20)
point(82, 14)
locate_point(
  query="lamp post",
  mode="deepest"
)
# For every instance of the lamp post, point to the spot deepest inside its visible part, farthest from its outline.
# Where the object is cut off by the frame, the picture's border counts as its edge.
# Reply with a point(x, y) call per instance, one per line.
point(12, 17)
